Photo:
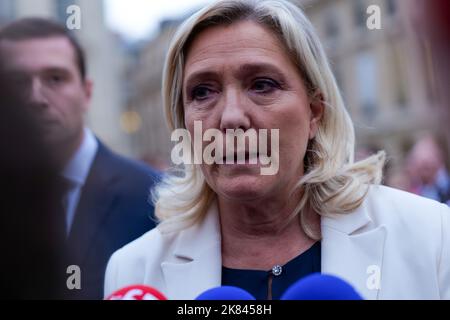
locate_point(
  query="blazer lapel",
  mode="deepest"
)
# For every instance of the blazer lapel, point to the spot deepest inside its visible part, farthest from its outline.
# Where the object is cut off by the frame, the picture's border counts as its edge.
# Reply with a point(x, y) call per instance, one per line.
point(353, 250)
point(97, 197)
point(197, 264)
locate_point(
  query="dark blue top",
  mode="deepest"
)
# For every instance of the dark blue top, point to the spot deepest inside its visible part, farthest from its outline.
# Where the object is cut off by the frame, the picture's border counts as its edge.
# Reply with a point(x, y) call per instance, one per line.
point(264, 285)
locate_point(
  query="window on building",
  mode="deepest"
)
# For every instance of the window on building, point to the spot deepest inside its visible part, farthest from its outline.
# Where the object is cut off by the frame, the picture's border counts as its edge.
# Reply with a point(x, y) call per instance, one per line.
point(360, 12)
point(399, 66)
point(391, 7)
point(366, 76)
point(331, 24)
point(7, 11)
point(338, 76)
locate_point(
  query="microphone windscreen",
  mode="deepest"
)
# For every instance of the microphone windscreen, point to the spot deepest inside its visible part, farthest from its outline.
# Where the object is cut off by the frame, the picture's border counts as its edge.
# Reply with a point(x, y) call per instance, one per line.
point(225, 293)
point(321, 287)
point(137, 292)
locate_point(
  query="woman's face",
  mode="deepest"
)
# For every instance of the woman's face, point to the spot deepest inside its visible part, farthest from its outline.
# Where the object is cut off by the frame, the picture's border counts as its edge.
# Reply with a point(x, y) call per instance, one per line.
point(241, 77)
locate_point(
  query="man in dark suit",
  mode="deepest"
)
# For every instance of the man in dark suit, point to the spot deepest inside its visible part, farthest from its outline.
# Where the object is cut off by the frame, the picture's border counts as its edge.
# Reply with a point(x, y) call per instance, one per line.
point(104, 197)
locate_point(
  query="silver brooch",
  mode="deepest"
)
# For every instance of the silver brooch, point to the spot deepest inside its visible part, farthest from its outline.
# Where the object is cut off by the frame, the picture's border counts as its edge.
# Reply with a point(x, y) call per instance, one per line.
point(276, 271)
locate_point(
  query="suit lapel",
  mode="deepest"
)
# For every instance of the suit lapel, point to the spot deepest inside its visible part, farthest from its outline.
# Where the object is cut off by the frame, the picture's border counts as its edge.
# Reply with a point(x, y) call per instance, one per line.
point(197, 262)
point(352, 250)
point(97, 197)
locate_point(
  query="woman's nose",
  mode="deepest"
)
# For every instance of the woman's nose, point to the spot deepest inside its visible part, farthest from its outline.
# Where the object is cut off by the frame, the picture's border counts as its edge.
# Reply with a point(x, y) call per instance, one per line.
point(234, 112)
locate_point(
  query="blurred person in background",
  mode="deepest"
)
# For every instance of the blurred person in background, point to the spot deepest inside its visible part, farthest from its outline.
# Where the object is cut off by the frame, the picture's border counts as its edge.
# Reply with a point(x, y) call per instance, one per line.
point(427, 171)
point(105, 196)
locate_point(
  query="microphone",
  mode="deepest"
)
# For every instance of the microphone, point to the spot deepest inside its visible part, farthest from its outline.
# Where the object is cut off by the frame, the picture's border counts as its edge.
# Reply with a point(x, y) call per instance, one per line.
point(321, 287)
point(225, 293)
point(137, 292)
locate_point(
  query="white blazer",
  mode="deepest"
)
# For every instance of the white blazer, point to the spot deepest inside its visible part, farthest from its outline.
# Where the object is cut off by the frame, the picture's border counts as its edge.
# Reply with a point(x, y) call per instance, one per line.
point(394, 246)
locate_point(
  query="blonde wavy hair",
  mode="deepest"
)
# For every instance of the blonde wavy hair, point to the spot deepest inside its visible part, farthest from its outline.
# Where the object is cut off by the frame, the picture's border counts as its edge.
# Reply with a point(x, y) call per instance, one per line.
point(333, 183)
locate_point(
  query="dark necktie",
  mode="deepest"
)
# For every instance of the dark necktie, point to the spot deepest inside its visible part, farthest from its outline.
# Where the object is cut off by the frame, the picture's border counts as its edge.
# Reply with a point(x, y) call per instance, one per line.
point(62, 197)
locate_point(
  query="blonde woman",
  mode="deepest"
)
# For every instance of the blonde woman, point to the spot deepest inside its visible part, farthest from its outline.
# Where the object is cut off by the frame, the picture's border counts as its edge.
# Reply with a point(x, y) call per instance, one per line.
point(259, 65)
